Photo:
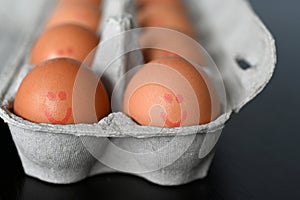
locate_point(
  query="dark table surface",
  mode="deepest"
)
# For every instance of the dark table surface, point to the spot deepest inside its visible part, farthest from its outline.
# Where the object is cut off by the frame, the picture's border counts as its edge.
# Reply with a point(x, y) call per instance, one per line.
point(257, 154)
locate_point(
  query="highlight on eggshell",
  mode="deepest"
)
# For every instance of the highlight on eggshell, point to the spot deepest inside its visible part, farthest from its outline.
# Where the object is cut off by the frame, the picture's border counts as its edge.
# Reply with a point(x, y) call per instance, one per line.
point(170, 92)
point(68, 41)
point(80, 14)
point(47, 94)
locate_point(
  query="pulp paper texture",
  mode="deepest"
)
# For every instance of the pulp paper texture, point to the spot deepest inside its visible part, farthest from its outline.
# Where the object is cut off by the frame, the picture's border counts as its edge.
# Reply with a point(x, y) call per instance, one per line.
point(69, 153)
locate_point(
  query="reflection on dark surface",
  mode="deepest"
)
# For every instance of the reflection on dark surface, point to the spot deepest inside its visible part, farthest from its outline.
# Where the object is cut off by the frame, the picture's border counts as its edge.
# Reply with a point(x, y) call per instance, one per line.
point(11, 171)
point(113, 186)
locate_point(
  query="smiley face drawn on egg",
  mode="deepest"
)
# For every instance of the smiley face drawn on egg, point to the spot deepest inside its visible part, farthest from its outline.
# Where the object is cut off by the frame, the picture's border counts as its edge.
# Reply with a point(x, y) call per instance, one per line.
point(169, 92)
point(66, 40)
point(61, 91)
point(170, 100)
point(52, 98)
point(65, 52)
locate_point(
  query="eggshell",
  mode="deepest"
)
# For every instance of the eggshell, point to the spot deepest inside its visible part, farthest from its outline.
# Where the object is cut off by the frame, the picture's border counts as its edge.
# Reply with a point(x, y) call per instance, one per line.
point(56, 90)
point(169, 3)
point(69, 40)
point(175, 48)
point(81, 14)
point(151, 54)
point(95, 3)
point(161, 43)
point(166, 18)
point(169, 92)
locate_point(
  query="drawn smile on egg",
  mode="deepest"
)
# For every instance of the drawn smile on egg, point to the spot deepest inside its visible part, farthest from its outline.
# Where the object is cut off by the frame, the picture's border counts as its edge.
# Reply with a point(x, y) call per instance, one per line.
point(179, 99)
point(62, 97)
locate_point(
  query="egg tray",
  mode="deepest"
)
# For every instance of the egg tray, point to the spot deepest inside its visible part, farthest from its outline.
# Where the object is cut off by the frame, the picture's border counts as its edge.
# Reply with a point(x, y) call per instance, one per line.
point(60, 154)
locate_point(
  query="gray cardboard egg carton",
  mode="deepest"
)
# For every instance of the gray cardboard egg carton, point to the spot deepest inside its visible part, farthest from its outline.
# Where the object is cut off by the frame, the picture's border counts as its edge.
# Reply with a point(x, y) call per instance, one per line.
point(69, 153)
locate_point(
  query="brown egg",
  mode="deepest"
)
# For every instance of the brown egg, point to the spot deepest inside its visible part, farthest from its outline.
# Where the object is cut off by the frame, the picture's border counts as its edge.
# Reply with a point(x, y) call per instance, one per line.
point(59, 91)
point(170, 92)
point(70, 41)
point(95, 3)
point(160, 43)
point(153, 54)
point(166, 18)
point(84, 15)
point(169, 3)
point(193, 54)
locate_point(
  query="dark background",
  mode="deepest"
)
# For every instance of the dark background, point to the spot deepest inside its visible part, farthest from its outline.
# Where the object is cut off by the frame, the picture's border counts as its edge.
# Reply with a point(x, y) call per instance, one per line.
point(257, 155)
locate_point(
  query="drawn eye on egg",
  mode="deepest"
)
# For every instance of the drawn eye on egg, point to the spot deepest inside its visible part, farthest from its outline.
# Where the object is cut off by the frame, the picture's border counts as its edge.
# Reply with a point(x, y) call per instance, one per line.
point(65, 52)
point(169, 98)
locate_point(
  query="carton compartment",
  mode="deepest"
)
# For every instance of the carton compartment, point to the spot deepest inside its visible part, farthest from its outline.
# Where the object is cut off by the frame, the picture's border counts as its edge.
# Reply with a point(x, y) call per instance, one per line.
point(69, 153)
